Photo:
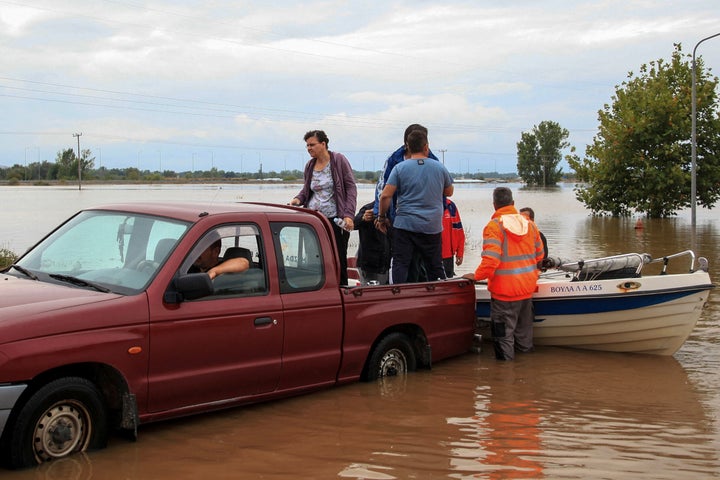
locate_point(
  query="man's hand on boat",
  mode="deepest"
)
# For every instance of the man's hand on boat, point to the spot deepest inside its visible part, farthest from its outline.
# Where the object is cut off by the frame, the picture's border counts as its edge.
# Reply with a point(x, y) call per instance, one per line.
point(546, 263)
point(471, 276)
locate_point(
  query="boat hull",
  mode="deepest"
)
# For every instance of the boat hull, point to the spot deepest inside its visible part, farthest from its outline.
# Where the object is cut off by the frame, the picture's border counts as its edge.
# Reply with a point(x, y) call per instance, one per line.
point(653, 315)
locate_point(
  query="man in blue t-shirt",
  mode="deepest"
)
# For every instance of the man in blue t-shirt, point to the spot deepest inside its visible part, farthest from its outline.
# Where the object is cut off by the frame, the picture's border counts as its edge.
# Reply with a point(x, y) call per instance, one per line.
point(396, 157)
point(417, 271)
point(420, 184)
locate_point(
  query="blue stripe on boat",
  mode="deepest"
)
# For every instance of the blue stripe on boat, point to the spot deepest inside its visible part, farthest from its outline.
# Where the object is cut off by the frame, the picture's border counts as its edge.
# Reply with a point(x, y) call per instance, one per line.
point(596, 304)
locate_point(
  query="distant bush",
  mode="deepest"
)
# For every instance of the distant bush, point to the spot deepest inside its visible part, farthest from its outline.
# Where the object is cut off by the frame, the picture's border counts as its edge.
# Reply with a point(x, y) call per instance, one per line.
point(6, 258)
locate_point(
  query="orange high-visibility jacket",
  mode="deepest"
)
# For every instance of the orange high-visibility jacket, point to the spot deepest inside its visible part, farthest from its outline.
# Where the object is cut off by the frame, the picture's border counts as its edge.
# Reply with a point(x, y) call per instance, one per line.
point(511, 250)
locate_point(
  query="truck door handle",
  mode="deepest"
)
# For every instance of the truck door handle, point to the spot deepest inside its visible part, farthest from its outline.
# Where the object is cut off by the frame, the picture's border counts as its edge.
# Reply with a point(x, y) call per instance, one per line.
point(262, 321)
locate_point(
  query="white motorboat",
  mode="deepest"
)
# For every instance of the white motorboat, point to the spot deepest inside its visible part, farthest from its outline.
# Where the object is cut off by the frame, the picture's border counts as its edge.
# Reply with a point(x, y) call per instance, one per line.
point(622, 303)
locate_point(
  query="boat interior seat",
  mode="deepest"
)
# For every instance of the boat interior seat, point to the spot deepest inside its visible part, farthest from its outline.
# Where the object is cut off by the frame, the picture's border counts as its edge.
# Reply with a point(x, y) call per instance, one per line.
point(627, 272)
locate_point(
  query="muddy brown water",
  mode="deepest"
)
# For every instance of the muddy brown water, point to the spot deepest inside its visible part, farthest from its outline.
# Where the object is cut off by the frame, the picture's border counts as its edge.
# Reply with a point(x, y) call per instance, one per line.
point(555, 413)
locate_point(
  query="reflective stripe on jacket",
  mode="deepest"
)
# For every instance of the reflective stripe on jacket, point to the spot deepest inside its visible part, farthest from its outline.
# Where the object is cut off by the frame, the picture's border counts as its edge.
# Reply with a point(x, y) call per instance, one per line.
point(511, 250)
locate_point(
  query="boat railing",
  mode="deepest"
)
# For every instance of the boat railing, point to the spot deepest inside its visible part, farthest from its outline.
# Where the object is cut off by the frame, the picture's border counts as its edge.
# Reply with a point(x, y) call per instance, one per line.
point(627, 265)
point(666, 260)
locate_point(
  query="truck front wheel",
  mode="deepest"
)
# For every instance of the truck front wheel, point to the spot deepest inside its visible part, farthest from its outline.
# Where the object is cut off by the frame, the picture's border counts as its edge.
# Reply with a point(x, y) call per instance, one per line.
point(65, 416)
point(392, 356)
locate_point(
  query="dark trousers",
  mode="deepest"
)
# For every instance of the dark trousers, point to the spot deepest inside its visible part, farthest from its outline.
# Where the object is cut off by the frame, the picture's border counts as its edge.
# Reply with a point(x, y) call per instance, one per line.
point(449, 266)
point(512, 327)
point(405, 244)
point(341, 240)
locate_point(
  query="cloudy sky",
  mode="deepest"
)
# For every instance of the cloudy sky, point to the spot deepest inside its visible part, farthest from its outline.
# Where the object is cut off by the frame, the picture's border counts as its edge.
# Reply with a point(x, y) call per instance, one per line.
point(191, 85)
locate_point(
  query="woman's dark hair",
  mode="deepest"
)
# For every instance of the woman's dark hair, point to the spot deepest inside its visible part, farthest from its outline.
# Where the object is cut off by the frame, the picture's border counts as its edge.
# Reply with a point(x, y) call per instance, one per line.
point(319, 134)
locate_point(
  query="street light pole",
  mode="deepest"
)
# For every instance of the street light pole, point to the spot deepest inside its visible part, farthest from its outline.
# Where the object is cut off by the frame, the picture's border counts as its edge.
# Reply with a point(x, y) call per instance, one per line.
point(693, 141)
point(25, 174)
point(78, 135)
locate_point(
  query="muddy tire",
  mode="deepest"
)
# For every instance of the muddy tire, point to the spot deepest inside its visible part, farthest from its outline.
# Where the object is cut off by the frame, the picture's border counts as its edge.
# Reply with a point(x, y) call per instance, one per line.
point(392, 356)
point(65, 416)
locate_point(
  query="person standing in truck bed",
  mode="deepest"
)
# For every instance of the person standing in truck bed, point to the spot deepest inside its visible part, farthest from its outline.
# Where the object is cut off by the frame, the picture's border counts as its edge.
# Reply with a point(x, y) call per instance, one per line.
point(329, 187)
point(373, 255)
point(453, 238)
point(420, 184)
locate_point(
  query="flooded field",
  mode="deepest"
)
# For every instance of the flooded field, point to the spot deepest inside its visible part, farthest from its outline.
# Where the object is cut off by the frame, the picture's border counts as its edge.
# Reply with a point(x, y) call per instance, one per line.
point(556, 413)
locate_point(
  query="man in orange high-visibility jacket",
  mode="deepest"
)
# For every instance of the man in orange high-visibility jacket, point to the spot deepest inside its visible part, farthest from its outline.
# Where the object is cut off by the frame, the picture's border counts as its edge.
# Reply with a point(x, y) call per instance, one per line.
point(511, 251)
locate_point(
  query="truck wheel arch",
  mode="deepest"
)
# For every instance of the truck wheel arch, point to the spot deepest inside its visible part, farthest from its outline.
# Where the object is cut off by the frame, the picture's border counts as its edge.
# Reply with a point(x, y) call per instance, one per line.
point(404, 348)
point(64, 416)
point(111, 388)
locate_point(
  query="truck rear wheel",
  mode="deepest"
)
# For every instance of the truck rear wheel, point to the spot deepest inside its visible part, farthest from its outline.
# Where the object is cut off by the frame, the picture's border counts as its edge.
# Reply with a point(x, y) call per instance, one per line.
point(392, 356)
point(63, 417)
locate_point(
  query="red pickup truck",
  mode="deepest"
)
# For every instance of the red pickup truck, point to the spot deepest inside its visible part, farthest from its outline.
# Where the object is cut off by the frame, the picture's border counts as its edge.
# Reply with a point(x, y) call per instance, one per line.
point(104, 325)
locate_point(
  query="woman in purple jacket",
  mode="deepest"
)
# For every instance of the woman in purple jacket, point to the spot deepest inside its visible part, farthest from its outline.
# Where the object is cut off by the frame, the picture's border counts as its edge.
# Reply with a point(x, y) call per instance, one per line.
point(329, 188)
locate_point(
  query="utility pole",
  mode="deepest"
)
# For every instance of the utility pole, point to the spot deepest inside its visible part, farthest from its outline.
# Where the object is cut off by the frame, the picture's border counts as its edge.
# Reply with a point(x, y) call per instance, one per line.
point(78, 135)
point(442, 151)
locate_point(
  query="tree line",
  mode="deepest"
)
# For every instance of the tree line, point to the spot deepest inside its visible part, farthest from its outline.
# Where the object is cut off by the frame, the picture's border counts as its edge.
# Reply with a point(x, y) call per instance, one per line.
point(65, 169)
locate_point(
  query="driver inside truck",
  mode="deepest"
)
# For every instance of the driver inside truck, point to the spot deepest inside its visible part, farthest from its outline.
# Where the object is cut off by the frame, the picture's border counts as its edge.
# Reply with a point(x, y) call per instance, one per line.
point(210, 262)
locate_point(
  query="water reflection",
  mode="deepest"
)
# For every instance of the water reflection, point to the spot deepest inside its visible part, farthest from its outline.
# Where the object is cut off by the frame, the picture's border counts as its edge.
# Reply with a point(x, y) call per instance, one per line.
point(77, 467)
point(585, 415)
point(506, 443)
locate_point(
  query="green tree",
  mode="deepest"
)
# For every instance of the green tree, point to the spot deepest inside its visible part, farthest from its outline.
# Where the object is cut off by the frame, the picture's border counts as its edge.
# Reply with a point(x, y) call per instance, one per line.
point(132, 173)
point(539, 153)
point(640, 160)
point(67, 167)
point(68, 163)
point(7, 257)
point(88, 162)
point(16, 173)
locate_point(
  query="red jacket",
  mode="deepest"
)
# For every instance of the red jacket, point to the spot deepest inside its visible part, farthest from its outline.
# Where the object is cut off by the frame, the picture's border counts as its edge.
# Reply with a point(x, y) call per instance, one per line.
point(453, 234)
point(511, 250)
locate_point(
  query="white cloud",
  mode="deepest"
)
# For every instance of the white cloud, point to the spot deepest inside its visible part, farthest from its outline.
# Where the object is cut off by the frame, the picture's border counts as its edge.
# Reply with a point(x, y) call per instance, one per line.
point(248, 78)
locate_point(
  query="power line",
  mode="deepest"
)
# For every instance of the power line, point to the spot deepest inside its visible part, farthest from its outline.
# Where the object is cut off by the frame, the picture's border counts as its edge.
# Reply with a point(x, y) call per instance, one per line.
point(332, 119)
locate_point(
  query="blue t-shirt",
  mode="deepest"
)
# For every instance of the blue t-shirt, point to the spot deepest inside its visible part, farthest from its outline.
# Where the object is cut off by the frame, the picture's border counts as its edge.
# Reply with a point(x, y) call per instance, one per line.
point(396, 157)
point(420, 184)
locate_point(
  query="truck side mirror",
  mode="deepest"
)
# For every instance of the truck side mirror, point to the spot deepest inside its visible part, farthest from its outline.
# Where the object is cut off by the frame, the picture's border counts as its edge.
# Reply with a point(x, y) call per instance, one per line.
point(189, 287)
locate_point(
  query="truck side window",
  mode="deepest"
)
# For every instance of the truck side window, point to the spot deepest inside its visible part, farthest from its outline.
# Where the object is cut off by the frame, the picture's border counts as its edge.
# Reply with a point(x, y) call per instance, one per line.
point(224, 243)
point(300, 260)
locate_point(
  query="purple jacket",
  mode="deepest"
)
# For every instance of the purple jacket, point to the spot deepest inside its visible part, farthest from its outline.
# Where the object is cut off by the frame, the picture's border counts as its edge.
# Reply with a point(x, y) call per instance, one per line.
point(343, 180)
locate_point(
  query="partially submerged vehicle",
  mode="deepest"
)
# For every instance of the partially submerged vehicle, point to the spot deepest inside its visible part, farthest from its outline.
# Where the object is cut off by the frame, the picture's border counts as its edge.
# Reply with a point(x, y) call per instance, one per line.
point(104, 325)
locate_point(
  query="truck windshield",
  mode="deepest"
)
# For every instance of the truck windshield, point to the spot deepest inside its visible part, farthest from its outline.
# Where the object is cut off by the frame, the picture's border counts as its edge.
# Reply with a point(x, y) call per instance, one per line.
point(111, 250)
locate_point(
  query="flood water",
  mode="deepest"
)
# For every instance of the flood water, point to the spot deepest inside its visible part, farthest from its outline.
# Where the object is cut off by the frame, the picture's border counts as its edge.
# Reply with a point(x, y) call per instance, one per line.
point(557, 413)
